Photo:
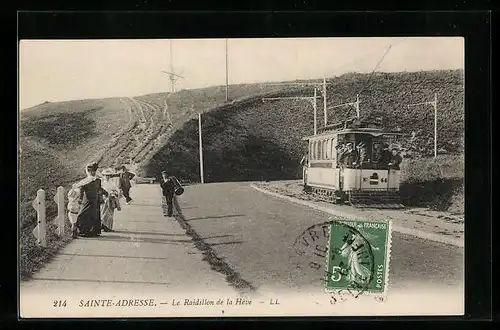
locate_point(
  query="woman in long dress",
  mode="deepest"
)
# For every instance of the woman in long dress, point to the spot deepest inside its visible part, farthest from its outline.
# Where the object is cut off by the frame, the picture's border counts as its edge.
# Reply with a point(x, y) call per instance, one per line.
point(88, 223)
point(111, 201)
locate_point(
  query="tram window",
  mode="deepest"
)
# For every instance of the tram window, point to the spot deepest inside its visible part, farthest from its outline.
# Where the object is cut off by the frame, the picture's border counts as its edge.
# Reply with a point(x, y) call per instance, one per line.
point(327, 148)
point(320, 150)
point(333, 152)
point(313, 152)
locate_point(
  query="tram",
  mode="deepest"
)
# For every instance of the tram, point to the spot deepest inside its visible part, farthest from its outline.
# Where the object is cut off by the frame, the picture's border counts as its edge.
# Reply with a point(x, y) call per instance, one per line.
point(365, 181)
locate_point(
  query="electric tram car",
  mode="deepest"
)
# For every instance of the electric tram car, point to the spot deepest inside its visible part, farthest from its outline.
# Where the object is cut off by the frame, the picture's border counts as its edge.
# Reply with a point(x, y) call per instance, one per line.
point(369, 184)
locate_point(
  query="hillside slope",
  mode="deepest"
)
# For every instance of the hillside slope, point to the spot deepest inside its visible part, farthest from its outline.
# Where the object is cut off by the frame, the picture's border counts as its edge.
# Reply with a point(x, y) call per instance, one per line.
point(58, 139)
point(253, 140)
point(257, 139)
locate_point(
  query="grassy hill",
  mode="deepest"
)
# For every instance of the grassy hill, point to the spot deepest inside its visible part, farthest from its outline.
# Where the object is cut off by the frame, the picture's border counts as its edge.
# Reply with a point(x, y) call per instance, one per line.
point(252, 140)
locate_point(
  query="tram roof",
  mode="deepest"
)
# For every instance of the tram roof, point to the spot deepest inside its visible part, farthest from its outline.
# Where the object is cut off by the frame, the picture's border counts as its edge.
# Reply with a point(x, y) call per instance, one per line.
point(370, 131)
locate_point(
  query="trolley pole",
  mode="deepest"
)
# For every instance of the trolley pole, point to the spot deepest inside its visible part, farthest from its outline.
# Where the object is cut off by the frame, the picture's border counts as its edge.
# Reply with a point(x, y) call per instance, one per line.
point(434, 104)
point(201, 148)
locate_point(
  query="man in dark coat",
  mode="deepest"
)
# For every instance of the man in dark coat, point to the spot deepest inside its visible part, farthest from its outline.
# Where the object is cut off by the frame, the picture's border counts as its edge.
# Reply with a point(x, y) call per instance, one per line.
point(168, 190)
point(385, 157)
point(125, 177)
point(350, 156)
point(396, 159)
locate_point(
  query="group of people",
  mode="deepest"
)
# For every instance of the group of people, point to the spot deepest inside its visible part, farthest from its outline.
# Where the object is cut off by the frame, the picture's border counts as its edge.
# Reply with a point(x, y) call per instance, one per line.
point(94, 199)
point(357, 157)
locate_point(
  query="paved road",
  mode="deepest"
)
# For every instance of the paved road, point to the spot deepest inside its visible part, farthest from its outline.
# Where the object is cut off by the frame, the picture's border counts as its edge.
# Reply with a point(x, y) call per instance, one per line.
point(260, 231)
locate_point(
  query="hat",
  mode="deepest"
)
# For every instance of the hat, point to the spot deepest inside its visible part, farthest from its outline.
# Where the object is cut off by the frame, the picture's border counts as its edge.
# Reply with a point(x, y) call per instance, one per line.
point(92, 166)
point(107, 171)
point(349, 144)
point(361, 144)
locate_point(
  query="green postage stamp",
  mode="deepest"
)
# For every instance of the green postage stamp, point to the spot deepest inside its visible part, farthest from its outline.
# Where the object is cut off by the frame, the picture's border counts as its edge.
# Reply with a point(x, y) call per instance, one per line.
point(358, 256)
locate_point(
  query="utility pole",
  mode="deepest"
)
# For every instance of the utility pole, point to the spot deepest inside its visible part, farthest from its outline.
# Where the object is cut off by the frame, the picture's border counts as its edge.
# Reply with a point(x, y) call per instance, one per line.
point(172, 77)
point(315, 112)
point(356, 104)
point(311, 99)
point(324, 101)
point(227, 76)
point(434, 104)
point(316, 84)
point(201, 148)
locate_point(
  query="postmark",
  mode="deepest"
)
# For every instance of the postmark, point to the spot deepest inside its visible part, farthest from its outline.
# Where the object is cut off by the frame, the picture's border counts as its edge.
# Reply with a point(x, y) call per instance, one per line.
point(345, 258)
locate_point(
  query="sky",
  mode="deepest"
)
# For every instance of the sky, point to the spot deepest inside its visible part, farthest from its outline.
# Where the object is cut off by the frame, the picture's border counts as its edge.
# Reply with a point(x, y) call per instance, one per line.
point(63, 70)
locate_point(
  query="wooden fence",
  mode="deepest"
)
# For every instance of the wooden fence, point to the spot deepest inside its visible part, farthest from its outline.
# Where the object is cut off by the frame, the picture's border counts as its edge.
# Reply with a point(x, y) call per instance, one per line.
point(40, 206)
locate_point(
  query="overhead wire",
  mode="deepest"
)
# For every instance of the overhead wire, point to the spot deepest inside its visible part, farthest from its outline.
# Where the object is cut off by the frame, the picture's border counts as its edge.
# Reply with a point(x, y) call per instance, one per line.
point(373, 72)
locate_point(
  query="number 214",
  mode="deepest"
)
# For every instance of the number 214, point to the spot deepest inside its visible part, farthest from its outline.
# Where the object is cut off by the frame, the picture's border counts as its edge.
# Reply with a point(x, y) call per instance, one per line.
point(59, 303)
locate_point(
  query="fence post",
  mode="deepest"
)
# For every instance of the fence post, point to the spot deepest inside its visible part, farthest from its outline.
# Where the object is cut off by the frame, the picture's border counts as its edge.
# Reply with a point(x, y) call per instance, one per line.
point(59, 199)
point(40, 230)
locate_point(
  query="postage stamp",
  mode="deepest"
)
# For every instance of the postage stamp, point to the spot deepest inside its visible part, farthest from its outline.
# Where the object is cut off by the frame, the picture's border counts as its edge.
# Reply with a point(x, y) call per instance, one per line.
point(346, 258)
point(358, 256)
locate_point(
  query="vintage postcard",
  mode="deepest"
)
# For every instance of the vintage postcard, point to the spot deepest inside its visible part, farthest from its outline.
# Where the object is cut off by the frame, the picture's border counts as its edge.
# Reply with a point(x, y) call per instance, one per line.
point(241, 177)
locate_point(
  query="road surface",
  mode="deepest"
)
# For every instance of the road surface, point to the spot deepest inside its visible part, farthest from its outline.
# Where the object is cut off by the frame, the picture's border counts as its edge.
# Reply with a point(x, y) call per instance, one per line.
point(260, 231)
point(226, 240)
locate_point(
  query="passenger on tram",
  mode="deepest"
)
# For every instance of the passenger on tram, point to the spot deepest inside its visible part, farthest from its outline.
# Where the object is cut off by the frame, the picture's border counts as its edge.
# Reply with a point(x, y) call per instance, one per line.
point(340, 148)
point(350, 156)
point(376, 153)
point(363, 156)
point(385, 157)
point(396, 159)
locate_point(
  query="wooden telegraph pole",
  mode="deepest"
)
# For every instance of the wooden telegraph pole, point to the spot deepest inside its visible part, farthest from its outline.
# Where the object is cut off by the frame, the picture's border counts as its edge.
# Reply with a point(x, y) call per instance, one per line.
point(434, 104)
point(227, 76)
point(324, 102)
point(201, 148)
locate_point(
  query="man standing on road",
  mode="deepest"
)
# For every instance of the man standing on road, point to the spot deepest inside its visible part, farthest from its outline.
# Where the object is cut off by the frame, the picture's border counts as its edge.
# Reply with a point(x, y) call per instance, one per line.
point(125, 177)
point(168, 188)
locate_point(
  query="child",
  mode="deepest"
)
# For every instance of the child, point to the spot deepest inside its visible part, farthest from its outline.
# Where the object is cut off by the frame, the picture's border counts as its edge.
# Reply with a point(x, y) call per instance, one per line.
point(73, 209)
